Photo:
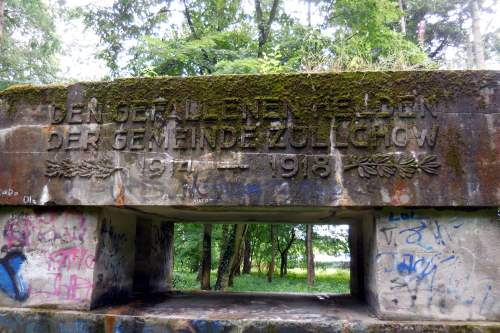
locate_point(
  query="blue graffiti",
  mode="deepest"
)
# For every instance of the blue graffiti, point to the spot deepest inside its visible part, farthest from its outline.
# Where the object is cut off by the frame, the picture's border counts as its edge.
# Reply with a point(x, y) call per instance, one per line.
point(253, 189)
point(11, 281)
point(415, 236)
point(409, 265)
point(401, 217)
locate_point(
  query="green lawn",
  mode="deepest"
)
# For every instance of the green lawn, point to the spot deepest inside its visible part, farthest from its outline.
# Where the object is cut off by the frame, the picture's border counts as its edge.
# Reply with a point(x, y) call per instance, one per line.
point(335, 281)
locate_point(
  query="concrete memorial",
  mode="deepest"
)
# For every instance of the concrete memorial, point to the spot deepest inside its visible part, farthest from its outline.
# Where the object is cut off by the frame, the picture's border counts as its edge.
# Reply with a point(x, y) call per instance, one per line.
point(411, 159)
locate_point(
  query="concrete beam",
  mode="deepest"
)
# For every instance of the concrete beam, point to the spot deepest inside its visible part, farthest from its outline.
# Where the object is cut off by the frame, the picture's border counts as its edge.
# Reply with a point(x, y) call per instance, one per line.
point(309, 140)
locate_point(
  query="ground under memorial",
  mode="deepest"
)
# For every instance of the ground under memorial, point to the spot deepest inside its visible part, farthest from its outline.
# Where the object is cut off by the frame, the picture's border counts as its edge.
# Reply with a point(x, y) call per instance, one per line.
point(94, 175)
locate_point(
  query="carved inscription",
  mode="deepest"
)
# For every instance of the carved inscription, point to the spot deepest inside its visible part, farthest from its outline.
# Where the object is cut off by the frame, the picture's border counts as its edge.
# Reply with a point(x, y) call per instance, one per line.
point(388, 165)
point(288, 166)
point(99, 169)
point(295, 136)
point(269, 123)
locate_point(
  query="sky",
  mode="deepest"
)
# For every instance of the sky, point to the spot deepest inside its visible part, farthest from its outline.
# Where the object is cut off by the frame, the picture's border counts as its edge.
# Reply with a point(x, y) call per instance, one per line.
point(79, 45)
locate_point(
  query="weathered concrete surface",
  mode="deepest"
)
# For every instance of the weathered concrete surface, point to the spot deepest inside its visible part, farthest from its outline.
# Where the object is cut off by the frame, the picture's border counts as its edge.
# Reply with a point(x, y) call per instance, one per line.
point(430, 264)
point(225, 313)
point(330, 140)
point(153, 266)
point(48, 257)
point(68, 258)
point(115, 259)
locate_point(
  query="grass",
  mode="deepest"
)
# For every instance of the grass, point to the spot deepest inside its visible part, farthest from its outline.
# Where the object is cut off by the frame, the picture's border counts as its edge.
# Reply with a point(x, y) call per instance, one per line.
point(332, 280)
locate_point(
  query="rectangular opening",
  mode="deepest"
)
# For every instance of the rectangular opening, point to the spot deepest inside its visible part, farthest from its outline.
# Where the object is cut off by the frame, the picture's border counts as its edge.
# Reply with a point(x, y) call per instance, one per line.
point(248, 270)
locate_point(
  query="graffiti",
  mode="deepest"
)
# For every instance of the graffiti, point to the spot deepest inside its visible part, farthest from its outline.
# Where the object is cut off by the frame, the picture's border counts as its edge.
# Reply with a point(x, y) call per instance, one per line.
point(51, 245)
point(427, 265)
point(68, 288)
point(72, 258)
point(11, 280)
point(111, 255)
point(21, 230)
point(8, 193)
point(422, 231)
point(112, 237)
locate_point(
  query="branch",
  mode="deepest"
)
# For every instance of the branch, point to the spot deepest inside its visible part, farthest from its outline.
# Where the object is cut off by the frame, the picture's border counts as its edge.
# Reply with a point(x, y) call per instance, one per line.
point(439, 48)
point(190, 20)
point(291, 241)
point(264, 28)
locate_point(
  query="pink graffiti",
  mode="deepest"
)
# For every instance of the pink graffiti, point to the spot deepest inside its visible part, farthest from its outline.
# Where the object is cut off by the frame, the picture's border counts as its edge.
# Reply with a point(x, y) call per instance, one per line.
point(76, 288)
point(17, 231)
point(71, 258)
point(21, 230)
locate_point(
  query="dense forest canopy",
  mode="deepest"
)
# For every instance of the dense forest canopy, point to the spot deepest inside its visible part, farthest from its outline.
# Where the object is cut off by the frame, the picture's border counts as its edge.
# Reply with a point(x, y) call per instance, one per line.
point(199, 37)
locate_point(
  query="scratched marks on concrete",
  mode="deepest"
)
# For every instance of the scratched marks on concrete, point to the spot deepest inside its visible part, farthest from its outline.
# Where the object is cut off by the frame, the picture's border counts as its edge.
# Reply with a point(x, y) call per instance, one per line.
point(438, 264)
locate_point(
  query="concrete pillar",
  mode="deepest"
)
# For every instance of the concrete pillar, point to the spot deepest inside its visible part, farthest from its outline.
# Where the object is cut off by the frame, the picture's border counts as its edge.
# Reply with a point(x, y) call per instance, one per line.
point(154, 256)
point(65, 257)
point(436, 264)
point(115, 261)
point(356, 282)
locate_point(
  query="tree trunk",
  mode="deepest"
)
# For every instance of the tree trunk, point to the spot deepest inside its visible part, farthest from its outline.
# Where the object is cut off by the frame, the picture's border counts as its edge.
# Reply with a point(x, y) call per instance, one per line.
point(477, 38)
point(284, 254)
point(225, 236)
point(206, 257)
point(2, 18)
point(247, 255)
point(309, 256)
point(264, 27)
point(283, 264)
point(402, 20)
point(169, 239)
point(272, 263)
point(230, 255)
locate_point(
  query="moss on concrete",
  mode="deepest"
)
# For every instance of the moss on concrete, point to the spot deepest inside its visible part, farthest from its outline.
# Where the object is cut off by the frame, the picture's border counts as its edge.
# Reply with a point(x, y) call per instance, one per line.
point(436, 86)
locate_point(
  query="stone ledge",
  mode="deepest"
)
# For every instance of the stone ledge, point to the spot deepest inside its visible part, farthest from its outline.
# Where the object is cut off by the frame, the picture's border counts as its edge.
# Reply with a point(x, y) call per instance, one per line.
point(201, 312)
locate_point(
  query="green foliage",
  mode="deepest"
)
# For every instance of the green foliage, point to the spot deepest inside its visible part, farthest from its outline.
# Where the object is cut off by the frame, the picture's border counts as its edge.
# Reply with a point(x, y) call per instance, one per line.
point(124, 22)
point(5, 84)
point(366, 38)
point(224, 37)
point(444, 24)
point(187, 245)
point(28, 42)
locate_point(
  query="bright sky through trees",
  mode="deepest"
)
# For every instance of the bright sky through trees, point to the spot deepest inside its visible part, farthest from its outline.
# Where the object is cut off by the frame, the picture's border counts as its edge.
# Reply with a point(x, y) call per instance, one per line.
point(79, 45)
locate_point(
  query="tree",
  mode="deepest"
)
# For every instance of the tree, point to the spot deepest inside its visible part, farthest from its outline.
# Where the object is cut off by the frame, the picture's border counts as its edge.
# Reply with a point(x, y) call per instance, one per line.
point(272, 262)
point(230, 255)
point(124, 22)
point(366, 38)
point(284, 247)
point(247, 254)
point(264, 24)
point(309, 255)
point(477, 37)
point(443, 24)
point(28, 41)
point(206, 257)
